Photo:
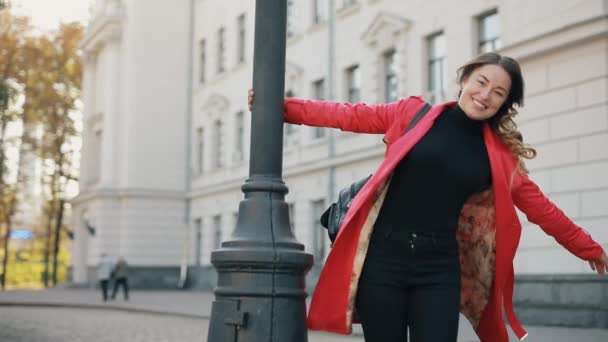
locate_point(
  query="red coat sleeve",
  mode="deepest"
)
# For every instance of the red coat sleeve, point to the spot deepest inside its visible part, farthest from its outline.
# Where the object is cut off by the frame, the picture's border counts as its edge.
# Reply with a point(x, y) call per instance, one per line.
point(359, 118)
point(539, 210)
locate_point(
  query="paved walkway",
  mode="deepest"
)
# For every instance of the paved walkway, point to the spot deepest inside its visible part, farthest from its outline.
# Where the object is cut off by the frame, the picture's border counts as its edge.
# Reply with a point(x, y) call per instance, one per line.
point(198, 305)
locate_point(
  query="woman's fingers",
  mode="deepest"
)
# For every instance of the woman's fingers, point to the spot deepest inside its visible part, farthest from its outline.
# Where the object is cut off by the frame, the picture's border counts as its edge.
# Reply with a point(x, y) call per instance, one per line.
point(598, 266)
point(601, 265)
point(250, 95)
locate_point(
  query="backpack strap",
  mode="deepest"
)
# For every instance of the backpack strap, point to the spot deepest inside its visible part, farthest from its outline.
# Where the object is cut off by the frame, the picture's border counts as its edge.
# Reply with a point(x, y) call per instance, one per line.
point(418, 116)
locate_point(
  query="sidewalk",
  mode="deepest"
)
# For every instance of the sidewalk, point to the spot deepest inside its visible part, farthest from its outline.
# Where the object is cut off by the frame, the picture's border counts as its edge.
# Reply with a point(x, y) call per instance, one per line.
point(198, 305)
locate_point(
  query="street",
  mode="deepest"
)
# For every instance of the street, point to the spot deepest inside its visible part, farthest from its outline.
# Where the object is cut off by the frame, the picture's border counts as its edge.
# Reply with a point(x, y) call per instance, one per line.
point(33, 324)
point(75, 315)
point(30, 324)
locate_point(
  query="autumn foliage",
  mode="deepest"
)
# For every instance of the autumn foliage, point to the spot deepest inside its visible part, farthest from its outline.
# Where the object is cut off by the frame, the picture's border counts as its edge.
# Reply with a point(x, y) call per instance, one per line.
point(40, 88)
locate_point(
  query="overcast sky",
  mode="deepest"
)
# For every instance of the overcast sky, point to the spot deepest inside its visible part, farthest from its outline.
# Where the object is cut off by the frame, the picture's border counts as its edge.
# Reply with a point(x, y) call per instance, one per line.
point(47, 14)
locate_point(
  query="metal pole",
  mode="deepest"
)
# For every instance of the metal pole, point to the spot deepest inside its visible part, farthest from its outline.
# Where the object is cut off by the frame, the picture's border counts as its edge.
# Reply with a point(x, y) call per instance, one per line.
point(331, 135)
point(260, 295)
point(330, 96)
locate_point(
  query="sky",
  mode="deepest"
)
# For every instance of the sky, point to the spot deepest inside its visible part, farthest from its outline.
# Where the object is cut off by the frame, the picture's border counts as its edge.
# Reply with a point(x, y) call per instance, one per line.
point(47, 14)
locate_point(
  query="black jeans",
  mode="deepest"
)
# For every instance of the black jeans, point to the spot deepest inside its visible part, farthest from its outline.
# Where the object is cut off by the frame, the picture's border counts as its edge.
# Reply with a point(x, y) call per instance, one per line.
point(125, 286)
point(104, 289)
point(410, 281)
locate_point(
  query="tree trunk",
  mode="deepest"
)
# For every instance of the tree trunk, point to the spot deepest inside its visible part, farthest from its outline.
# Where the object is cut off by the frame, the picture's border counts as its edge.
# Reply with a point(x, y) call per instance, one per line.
point(47, 246)
point(5, 258)
point(57, 239)
point(4, 122)
point(5, 213)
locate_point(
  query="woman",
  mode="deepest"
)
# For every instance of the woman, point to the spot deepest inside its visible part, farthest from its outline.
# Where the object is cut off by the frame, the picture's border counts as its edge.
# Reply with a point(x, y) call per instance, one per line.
point(434, 231)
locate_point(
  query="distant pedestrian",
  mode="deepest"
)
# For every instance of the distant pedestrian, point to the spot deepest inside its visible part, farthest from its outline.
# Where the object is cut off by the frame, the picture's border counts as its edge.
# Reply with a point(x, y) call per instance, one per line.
point(120, 275)
point(104, 269)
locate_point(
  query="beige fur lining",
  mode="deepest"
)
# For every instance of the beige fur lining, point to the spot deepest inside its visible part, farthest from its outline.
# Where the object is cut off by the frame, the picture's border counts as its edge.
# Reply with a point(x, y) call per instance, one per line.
point(363, 244)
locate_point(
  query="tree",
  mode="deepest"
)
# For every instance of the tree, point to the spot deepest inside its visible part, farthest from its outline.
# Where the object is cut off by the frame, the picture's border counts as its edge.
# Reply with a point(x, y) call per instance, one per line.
point(43, 73)
point(57, 149)
point(13, 31)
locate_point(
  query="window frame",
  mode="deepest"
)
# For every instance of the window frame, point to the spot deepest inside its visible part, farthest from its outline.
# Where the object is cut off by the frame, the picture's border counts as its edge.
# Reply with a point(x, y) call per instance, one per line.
point(319, 90)
point(221, 50)
point(434, 61)
point(390, 75)
point(242, 38)
point(353, 83)
point(202, 73)
point(494, 42)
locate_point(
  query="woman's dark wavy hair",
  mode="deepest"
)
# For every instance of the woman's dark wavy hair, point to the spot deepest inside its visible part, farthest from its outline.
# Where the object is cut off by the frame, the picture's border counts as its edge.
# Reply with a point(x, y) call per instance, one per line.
point(502, 123)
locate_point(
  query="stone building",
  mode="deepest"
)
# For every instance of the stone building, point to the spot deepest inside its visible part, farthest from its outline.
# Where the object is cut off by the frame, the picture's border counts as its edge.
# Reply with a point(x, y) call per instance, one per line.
point(167, 127)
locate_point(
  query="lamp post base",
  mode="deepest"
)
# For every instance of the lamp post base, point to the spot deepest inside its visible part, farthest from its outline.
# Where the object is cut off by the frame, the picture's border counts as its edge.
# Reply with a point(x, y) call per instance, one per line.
point(260, 294)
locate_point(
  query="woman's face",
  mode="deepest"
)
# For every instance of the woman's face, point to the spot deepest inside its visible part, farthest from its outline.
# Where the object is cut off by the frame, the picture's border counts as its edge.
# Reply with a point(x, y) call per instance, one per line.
point(484, 91)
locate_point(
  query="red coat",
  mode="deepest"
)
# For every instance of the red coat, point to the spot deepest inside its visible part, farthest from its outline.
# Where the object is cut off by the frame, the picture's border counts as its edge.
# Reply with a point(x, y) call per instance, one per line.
point(488, 231)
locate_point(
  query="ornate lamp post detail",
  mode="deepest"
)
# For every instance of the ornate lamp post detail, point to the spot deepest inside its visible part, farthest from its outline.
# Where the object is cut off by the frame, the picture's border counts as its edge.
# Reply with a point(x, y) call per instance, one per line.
point(261, 286)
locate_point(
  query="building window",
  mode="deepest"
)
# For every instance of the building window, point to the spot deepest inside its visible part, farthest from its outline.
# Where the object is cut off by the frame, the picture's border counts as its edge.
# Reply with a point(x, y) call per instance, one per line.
point(221, 50)
point(218, 143)
point(200, 149)
point(437, 77)
point(217, 231)
point(240, 137)
point(353, 84)
point(391, 82)
point(290, 129)
point(94, 159)
point(346, 3)
point(202, 61)
point(489, 32)
point(319, 234)
point(291, 17)
point(241, 39)
point(318, 93)
point(198, 241)
point(319, 11)
point(292, 216)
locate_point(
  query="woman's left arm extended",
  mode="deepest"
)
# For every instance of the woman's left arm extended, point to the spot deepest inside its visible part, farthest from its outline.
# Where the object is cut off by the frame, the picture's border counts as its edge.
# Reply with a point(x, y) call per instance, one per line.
point(541, 211)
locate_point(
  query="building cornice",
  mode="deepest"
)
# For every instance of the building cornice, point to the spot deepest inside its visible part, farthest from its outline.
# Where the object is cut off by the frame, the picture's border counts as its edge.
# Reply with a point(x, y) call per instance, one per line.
point(215, 105)
point(103, 30)
point(137, 193)
point(385, 23)
point(292, 171)
point(568, 35)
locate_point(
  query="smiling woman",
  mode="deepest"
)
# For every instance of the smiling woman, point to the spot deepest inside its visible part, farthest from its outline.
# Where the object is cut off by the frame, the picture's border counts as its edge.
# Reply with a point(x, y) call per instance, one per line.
point(434, 231)
point(46, 15)
point(484, 92)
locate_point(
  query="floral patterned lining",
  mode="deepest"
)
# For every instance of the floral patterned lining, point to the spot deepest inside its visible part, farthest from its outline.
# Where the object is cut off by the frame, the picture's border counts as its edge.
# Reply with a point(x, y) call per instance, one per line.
point(476, 237)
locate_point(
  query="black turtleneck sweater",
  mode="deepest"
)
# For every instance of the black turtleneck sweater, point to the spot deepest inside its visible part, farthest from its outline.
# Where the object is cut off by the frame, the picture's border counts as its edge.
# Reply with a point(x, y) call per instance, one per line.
point(431, 184)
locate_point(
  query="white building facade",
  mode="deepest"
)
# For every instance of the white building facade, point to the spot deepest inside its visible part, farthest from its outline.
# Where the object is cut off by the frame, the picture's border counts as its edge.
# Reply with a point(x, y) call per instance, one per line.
point(166, 141)
point(133, 169)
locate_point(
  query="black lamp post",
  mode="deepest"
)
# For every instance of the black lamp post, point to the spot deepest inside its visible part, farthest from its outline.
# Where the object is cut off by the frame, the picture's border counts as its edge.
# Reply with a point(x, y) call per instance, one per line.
point(260, 295)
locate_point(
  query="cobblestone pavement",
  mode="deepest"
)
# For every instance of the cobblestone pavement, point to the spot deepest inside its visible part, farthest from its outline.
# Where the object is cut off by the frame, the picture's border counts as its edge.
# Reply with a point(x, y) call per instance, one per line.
point(84, 325)
point(32, 324)
point(70, 315)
